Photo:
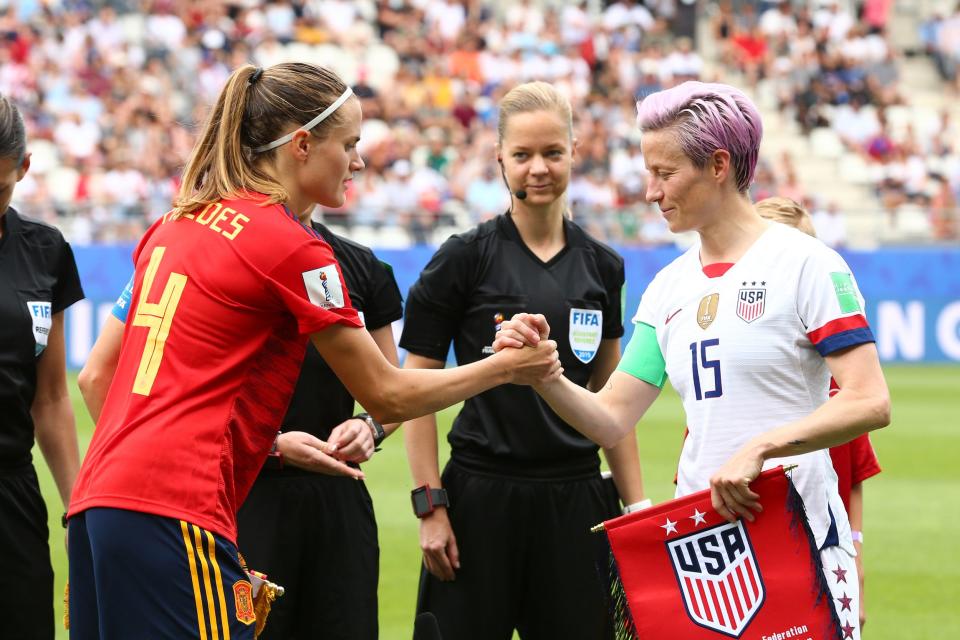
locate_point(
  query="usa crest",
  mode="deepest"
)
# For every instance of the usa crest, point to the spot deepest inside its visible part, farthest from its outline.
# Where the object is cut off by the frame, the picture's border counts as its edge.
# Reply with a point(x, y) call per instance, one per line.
point(586, 329)
point(719, 578)
point(750, 304)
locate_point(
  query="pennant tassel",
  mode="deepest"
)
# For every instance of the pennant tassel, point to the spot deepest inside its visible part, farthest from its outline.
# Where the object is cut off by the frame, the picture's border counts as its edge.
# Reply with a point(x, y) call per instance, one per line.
point(800, 526)
point(624, 627)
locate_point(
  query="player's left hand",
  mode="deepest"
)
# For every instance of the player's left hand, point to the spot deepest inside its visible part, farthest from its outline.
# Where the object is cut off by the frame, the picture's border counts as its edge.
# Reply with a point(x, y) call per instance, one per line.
point(353, 439)
point(305, 451)
point(730, 486)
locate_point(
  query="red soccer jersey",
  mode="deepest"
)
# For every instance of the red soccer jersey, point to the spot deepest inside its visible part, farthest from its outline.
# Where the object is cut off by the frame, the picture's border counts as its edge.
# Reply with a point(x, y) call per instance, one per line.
point(222, 304)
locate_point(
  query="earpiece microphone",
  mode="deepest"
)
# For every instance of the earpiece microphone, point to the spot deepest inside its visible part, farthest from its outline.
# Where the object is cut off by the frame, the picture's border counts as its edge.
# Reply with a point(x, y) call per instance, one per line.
point(521, 194)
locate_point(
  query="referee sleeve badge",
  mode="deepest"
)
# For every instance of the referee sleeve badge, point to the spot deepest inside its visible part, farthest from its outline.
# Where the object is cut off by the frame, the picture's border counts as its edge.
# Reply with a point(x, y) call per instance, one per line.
point(586, 329)
point(41, 316)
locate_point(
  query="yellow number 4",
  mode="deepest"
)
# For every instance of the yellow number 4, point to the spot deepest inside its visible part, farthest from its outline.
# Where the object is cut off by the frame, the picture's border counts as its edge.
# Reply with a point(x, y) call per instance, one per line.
point(157, 316)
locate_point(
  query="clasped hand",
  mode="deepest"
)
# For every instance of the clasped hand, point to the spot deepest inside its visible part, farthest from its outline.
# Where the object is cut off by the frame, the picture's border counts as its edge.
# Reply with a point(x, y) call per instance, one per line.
point(534, 357)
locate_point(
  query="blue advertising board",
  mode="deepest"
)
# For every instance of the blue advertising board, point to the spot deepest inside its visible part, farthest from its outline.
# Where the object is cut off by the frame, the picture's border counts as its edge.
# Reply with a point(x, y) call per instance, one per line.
point(913, 295)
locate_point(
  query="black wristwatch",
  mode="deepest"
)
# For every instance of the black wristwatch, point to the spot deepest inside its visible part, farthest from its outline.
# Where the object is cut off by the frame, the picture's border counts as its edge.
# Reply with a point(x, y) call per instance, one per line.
point(378, 433)
point(425, 500)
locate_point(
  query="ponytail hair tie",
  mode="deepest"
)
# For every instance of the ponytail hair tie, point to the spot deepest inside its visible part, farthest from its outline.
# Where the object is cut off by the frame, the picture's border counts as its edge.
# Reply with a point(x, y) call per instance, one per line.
point(255, 75)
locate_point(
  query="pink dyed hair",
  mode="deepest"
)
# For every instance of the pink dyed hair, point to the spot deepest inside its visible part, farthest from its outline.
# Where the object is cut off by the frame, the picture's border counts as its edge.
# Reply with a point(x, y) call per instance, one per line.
point(707, 117)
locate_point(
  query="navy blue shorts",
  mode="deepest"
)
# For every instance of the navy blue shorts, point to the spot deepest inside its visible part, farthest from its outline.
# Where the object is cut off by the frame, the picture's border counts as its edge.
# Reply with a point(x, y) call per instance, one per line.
point(136, 575)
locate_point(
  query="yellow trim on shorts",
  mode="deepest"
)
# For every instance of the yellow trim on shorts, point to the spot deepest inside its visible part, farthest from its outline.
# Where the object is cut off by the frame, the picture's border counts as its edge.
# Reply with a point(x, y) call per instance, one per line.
point(207, 587)
point(201, 623)
point(212, 552)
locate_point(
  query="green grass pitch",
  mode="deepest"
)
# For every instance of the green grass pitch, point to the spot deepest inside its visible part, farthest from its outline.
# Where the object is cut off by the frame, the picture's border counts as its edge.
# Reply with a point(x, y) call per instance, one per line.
point(912, 509)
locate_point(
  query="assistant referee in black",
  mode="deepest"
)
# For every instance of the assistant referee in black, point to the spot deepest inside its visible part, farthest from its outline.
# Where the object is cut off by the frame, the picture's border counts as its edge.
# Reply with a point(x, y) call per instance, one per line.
point(312, 533)
point(505, 531)
point(38, 280)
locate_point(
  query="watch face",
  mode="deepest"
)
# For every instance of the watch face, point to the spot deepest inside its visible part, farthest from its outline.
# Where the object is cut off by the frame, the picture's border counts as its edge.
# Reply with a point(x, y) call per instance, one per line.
point(421, 501)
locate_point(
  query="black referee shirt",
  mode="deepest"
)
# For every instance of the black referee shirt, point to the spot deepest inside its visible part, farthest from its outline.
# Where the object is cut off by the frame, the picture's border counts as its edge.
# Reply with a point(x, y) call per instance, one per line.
point(483, 276)
point(320, 401)
point(38, 278)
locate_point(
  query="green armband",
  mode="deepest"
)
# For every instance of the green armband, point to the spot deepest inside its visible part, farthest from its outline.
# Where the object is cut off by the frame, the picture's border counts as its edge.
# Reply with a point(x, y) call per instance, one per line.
point(642, 358)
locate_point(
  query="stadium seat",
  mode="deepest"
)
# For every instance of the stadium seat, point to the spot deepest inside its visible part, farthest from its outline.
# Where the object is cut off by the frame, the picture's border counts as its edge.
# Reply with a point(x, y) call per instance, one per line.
point(62, 182)
point(854, 169)
point(824, 143)
point(381, 63)
point(393, 237)
point(364, 234)
point(44, 156)
point(913, 223)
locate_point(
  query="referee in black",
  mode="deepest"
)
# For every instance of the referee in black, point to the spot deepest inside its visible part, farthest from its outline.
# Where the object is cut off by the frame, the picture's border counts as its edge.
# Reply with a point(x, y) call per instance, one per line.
point(313, 533)
point(505, 531)
point(38, 280)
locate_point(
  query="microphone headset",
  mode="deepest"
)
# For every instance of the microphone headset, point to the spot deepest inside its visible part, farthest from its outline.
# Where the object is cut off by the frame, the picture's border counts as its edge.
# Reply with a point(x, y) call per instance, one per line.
point(520, 194)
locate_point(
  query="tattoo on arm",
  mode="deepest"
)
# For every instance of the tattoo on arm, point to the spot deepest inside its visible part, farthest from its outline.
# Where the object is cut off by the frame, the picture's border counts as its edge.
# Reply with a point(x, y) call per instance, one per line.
point(797, 443)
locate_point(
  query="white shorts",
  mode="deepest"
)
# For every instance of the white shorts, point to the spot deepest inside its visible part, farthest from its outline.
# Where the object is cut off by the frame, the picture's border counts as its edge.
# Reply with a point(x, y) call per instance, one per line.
point(840, 570)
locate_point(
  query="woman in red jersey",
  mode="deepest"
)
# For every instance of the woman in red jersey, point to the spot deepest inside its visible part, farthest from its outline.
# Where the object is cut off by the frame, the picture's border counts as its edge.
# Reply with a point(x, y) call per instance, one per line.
point(227, 288)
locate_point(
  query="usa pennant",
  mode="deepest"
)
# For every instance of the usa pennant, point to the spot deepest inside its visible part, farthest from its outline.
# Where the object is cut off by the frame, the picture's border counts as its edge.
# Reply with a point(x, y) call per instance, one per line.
point(680, 571)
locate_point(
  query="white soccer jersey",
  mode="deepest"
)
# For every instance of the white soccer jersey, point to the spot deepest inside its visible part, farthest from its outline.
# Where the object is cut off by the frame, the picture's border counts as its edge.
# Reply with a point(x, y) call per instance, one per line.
point(745, 351)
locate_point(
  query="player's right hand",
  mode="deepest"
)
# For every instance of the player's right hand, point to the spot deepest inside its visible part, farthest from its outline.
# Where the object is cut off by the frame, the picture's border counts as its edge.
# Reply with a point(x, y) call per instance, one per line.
point(440, 554)
point(532, 365)
point(354, 440)
point(522, 329)
point(305, 451)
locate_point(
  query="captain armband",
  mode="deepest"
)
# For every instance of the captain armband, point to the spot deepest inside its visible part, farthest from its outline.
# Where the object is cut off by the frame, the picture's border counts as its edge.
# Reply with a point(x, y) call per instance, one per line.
point(642, 358)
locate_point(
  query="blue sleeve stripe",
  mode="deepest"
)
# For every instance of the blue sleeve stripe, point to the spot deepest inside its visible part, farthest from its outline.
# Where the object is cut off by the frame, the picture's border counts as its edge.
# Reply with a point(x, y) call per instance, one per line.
point(845, 339)
point(121, 308)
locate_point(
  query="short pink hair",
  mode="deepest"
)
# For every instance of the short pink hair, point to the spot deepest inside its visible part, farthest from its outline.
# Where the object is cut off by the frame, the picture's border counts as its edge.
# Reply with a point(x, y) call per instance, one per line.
point(708, 117)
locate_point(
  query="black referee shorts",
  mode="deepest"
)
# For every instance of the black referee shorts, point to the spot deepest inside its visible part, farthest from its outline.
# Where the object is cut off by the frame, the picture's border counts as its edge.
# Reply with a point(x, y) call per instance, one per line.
point(26, 588)
point(317, 537)
point(527, 559)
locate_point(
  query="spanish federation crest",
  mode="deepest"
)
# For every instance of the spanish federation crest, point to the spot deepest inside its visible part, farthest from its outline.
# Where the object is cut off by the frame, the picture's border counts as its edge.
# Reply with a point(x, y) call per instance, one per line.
point(586, 329)
point(750, 304)
point(243, 602)
point(719, 578)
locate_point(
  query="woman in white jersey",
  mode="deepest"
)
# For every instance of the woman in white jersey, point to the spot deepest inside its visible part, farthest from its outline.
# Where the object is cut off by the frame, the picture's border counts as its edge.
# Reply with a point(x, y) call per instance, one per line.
point(749, 324)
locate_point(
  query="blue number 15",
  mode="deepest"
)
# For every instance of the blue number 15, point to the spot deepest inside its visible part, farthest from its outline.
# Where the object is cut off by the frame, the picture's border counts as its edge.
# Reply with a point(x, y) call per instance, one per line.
point(705, 363)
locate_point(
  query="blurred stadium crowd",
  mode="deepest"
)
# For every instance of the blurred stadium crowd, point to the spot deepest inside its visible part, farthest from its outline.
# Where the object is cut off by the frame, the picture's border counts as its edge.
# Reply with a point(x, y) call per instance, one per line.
point(112, 92)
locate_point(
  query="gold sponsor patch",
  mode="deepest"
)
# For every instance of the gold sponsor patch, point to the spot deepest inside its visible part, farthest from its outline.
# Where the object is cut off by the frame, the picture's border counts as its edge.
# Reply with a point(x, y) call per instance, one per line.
point(243, 599)
point(707, 311)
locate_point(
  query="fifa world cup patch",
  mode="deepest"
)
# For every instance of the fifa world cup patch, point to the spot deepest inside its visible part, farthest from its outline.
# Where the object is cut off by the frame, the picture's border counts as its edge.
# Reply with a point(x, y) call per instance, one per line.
point(846, 292)
point(324, 287)
point(243, 601)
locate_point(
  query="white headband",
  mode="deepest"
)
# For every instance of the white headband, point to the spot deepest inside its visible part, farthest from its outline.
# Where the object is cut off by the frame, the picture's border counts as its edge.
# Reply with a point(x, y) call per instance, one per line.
point(310, 125)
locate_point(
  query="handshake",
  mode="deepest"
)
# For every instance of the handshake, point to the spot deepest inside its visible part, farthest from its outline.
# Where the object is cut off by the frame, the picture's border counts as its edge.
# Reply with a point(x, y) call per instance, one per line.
point(528, 356)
